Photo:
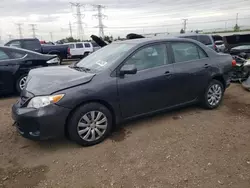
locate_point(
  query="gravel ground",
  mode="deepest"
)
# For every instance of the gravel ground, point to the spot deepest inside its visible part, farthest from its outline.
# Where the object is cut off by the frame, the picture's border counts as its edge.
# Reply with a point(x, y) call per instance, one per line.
point(190, 148)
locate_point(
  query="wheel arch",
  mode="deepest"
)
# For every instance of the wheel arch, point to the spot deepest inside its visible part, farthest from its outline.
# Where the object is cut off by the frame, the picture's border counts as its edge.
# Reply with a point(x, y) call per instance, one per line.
point(221, 79)
point(102, 102)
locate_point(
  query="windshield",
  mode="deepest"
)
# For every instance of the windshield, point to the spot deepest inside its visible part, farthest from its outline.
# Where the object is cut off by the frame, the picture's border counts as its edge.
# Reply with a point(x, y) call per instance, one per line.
point(104, 57)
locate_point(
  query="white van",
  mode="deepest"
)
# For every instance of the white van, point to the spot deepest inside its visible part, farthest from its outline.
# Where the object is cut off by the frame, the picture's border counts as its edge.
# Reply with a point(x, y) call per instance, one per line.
point(80, 49)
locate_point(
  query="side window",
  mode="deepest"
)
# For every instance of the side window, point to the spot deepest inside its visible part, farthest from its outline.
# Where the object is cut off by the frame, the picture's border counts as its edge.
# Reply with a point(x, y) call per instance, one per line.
point(31, 44)
point(15, 44)
point(87, 45)
point(71, 46)
point(205, 39)
point(79, 45)
point(184, 51)
point(202, 54)
point(3, 55)
point(149, 57)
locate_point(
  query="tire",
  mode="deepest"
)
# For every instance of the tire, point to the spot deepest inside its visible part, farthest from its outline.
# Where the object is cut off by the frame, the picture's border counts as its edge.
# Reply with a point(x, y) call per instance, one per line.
point(20, 82)
point(82, 116)
point(216, 89)
point(60, 58)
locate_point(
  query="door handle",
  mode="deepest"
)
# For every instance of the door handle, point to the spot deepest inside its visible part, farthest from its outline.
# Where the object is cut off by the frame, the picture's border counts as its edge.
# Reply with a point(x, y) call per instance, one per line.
point(167, 73)
point(206, 66)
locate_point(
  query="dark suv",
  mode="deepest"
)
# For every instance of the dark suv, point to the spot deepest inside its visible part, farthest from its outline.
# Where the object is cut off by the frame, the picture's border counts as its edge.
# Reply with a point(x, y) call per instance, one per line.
point(119, 82)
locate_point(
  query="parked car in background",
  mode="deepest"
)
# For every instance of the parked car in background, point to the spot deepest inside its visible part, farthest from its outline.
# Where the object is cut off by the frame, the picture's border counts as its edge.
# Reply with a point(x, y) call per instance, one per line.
point(62, 51)
point(121, 81)
point(16, 63)
point(208, 40)
point(220, 45)
point(238, 44)
point(80, 49)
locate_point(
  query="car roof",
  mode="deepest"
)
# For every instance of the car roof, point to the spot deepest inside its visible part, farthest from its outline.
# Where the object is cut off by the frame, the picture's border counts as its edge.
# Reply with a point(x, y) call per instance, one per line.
point(19, 49)
point(152, 40)
point(192, 34)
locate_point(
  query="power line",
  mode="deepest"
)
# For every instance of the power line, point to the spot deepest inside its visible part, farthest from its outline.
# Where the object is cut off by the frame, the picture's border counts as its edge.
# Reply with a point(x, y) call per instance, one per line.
point(33, 29)
point(79, 16)
point(100, 17)
point(20, 30)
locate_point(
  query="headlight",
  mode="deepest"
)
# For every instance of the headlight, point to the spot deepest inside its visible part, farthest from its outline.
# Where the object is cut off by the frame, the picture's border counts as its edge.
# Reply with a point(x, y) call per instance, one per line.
point(39, 102)
point(54, 61)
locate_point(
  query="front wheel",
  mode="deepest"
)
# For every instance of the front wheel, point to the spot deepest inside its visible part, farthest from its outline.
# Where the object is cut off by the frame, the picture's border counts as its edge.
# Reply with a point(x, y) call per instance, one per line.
point(90, 124)
point(20, 83)
point(213, 95)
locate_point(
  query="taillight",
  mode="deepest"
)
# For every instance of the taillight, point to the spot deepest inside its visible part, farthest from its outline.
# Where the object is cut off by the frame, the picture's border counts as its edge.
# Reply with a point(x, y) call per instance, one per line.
point(69, 51)
point(215, 48)
point(233, 63)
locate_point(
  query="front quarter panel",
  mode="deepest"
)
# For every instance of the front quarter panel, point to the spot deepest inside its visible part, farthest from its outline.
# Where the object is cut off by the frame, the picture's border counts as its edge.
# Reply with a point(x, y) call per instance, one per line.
point(98, 90)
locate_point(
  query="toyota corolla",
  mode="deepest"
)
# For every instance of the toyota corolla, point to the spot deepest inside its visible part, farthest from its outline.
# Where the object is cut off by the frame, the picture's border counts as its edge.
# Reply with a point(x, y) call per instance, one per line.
point(119, 82)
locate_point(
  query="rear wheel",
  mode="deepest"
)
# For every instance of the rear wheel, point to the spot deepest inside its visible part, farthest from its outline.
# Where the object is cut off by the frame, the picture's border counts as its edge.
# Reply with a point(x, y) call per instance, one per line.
point(90, 124)
point(213, 95)
point(20, 84)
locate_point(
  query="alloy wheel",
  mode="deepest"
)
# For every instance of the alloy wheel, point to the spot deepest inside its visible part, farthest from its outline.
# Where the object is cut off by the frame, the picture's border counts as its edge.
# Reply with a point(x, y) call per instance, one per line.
point(22, 82)
point(92, 126)
point(214, 94)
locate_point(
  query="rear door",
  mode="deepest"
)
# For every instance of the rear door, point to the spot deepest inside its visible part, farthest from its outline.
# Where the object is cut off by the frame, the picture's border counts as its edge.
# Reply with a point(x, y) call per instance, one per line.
point(72, 48)
point(191, 71)
point(79, 49)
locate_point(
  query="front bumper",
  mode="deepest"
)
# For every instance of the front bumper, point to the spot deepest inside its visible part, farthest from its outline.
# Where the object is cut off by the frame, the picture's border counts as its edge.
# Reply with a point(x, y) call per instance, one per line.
point(40, 124)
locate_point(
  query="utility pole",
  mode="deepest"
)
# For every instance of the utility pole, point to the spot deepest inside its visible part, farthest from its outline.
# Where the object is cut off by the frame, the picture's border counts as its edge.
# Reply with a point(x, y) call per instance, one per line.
point(237, 18)
point(51, 36)
point(33, 29)
point(70, 29)
point(185, 24)
point(79, 17)
point(20, 30)
point(100, 16)
point(10, 36)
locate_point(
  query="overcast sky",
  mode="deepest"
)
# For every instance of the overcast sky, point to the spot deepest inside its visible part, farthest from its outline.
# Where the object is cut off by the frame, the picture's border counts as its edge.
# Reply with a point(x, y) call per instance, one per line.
point(141, 16)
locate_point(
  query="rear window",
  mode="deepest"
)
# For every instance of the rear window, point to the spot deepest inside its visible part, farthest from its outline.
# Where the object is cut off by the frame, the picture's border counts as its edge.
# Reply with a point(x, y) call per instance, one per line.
point(31, 44)
point(205, 39)
point(79, 45)
point(87, 45)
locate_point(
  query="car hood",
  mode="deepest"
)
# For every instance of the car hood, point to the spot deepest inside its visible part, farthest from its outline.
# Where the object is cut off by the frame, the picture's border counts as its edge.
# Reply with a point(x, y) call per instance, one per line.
point(233, 41)
point(45, 81)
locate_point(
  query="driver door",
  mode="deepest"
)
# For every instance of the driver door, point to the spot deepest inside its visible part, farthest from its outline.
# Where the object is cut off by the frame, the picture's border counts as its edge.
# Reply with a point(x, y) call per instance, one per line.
point(149, 89)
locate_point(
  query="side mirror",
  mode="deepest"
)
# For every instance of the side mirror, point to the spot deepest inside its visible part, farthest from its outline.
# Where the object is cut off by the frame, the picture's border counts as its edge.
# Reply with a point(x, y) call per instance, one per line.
point(128, 69)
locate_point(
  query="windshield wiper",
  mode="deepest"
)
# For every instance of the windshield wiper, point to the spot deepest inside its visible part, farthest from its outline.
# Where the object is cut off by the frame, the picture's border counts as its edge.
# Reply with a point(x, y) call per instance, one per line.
point(80, 68)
